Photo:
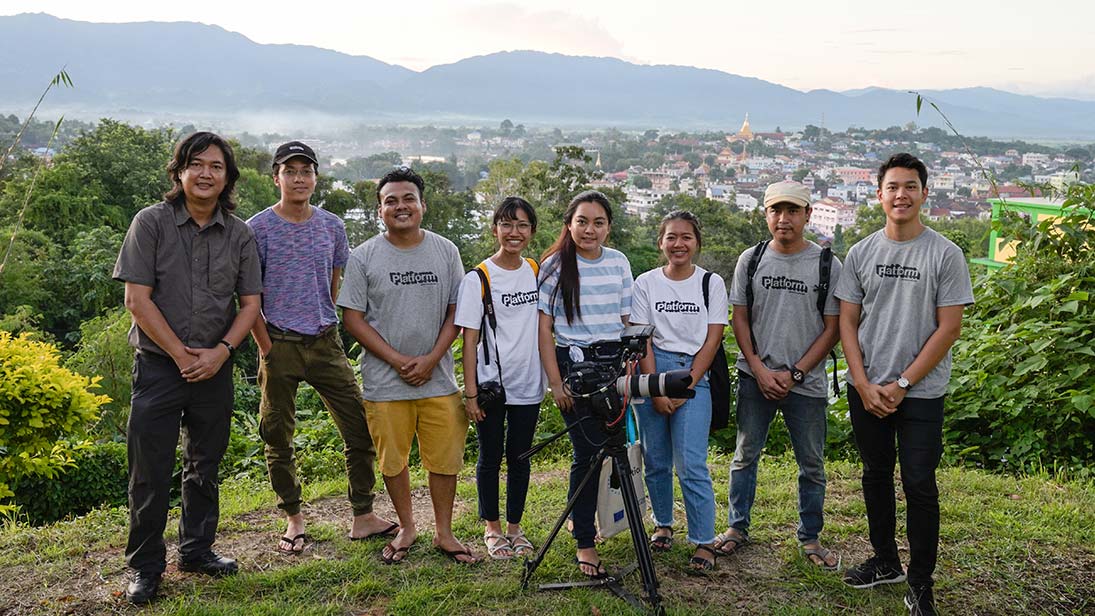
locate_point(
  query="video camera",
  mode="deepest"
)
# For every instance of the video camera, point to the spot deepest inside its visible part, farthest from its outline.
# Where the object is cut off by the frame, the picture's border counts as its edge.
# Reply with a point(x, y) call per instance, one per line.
point(600, 378)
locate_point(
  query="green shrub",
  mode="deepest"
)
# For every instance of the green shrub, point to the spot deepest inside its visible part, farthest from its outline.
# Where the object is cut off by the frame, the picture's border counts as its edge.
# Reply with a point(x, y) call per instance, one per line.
point(41, 404)
point(98, 476)
point(316, 439)
point(1022, 393)
point(104, 351)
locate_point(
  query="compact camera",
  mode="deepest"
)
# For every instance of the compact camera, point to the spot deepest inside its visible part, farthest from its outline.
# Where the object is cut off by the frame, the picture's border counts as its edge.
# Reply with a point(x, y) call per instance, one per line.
point(491, 396)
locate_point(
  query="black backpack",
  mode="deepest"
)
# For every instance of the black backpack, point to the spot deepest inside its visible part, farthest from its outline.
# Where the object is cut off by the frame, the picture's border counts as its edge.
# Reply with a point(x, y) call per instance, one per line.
point(718, 375)
point(825, 266)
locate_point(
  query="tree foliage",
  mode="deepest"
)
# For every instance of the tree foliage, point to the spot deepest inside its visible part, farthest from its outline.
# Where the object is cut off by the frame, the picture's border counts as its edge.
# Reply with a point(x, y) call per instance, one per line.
point(726, 233)
point(1022, 393)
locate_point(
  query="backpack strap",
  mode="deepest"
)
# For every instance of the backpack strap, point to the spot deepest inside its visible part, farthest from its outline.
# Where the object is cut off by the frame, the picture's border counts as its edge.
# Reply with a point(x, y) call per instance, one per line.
point(535, 267)
point(488, 308)
point(825, 267)
point(707, 290)
point(750, 271)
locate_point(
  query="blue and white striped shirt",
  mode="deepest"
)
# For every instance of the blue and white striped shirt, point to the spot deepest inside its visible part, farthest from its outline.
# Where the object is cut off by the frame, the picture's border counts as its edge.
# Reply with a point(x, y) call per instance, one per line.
point(605, 296)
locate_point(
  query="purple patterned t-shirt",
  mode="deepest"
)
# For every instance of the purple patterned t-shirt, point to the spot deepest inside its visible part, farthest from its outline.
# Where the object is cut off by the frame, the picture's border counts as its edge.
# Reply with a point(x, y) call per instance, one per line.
point(297, 259)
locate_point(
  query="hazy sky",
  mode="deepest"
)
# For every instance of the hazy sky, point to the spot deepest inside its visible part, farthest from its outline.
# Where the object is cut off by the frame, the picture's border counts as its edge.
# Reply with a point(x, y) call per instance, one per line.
point(1041, 48)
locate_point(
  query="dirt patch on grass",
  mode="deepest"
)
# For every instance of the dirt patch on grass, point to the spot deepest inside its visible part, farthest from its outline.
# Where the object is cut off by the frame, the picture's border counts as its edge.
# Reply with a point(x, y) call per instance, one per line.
point(93, 583)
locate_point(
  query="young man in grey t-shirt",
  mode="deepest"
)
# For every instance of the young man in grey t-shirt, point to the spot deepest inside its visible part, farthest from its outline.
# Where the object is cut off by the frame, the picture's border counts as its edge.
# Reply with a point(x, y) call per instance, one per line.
point(902, 294)
point(399, 301)
point(785, 370)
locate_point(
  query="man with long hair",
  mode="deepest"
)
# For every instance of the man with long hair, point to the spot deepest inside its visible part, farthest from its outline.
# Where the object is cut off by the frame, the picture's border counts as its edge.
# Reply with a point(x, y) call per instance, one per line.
point(184, 262)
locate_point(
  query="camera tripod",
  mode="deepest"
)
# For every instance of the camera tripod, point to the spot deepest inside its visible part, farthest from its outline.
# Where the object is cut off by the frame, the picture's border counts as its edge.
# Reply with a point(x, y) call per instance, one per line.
point(615, 448)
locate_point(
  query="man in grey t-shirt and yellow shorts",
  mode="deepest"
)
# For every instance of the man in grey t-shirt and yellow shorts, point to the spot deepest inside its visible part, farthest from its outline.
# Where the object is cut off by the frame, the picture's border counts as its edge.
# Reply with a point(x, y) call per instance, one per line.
point(902, 293)
point(399, 301)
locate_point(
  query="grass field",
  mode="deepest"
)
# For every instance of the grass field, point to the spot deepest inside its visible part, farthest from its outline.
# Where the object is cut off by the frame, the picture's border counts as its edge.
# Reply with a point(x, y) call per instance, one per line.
point(1009, 546)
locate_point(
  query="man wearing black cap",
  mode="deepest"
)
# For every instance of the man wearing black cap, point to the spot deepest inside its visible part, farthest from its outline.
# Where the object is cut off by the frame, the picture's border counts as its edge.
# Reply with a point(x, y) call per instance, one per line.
point(302, 250)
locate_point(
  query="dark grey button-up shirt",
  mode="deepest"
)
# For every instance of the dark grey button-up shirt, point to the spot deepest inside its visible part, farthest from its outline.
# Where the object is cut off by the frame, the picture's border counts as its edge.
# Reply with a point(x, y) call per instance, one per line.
point(194, 272)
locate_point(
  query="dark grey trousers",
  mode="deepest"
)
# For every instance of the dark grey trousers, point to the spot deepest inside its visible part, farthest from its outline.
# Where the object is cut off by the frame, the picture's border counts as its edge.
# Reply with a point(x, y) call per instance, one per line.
point(162, 402)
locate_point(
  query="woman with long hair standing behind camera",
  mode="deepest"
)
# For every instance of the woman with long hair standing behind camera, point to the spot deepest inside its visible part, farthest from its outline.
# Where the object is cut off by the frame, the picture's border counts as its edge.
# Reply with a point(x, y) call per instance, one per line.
point(585, 296)
point(688, 330)
point(503, 376)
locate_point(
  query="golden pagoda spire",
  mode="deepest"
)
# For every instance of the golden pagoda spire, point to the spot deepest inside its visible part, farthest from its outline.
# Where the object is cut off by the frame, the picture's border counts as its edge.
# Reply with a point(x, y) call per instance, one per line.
point(746, 131)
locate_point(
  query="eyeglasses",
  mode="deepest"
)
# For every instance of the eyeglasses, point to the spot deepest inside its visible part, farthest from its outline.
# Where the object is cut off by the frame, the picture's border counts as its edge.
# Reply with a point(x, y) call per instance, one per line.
point(506, 226)
point(307, 173)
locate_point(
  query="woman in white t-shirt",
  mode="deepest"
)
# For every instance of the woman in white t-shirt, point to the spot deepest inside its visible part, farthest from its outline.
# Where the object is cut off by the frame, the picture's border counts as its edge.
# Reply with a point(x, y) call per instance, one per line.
point(687, 335)
point(509, 342)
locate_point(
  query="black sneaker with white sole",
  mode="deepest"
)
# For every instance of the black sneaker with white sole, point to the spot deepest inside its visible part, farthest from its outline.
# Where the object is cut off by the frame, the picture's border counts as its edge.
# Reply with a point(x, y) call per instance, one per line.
point(920, 601)
point(872, 572)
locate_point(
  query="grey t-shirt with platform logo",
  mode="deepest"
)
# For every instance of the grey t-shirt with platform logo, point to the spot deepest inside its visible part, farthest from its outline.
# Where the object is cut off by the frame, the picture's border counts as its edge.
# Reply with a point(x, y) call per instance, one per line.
point(786, 320)
point(404, 294)
point(899, 285)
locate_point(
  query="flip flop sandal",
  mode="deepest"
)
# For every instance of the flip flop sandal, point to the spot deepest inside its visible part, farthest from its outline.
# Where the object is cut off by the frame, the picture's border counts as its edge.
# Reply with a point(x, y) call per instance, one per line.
point(599, 567)
point(292, 541)
point(700, 564)
point(391, 559)
point(662, 543)
point(521, 544)
point(824, 555)
point(454, 554)
point(736, 542)
point(389, 532)
point(496, 542)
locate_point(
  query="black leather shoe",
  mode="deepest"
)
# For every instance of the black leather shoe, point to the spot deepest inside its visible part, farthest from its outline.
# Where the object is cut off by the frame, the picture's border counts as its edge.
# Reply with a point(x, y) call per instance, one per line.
point(142, 589)
point(210, 564)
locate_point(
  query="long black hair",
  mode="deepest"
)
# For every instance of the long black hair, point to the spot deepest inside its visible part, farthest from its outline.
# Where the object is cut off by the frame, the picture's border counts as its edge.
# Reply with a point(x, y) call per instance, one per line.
point(567, 261)
point(185, 151)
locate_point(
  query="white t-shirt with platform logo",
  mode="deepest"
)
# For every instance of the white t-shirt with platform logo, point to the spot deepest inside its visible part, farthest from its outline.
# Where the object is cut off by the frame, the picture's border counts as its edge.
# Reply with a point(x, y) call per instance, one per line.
point(676, 310)
point(515, 296)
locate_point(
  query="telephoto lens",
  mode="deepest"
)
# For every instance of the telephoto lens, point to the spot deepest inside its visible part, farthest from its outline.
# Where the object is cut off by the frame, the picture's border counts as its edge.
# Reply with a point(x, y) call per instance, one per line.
point(672, 384)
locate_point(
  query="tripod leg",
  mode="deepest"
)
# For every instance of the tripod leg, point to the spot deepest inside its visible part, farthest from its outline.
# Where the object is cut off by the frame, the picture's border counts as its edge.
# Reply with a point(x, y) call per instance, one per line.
point(638, 533)
point(531, 565)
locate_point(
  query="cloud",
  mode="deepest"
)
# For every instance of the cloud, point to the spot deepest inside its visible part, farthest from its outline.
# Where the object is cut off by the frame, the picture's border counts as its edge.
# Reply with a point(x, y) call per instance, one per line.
point(873, 30)
point(507, 26)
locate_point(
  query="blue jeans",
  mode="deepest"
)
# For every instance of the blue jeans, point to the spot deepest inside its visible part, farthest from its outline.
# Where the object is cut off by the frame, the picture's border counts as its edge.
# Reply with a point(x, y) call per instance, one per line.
point(806, 422)
point(679, 441)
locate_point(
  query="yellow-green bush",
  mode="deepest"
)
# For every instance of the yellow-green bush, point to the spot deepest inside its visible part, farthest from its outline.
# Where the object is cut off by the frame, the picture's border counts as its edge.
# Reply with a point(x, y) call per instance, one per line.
point(41, 403)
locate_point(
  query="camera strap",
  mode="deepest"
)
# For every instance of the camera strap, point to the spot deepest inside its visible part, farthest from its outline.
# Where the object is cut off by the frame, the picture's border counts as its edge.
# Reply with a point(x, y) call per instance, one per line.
point(825, 266)
point(489, 318)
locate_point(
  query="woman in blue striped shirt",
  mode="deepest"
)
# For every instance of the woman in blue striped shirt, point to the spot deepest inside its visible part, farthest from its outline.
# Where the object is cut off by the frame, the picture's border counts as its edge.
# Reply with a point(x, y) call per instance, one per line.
point(585, 296)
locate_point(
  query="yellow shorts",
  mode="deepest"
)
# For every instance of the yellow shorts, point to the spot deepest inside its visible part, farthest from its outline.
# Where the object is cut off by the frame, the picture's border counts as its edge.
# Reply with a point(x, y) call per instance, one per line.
point(439, 422)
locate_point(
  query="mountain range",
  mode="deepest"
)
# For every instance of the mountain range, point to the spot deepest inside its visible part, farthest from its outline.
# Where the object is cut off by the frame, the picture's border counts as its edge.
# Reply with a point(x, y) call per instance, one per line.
point(196, 70)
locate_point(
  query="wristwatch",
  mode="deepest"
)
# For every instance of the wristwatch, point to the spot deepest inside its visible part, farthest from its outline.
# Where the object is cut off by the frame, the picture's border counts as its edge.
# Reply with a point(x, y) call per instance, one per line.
point(903, 383)
point(798, 376)
point(228, 345)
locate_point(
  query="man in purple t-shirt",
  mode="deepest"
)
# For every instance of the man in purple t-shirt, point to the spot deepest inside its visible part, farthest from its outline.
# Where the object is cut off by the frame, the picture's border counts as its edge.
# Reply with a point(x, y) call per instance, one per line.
point(303, 250)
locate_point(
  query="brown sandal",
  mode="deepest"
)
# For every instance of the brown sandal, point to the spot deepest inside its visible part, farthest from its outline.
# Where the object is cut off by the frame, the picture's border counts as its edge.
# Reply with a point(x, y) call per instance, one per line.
point(734, 538)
